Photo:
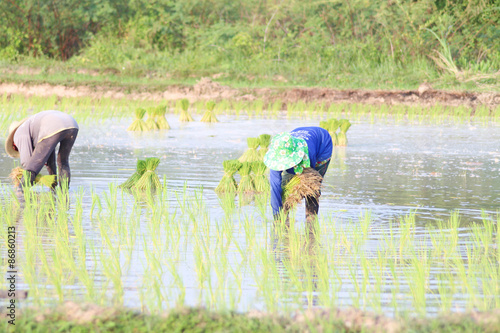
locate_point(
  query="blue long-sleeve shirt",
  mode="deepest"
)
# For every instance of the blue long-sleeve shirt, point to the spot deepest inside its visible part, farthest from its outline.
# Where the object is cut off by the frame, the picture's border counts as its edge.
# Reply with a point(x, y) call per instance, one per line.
point(319, 143)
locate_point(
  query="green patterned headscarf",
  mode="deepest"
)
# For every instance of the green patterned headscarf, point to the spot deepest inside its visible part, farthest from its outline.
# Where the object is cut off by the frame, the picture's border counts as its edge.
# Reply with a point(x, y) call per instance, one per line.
point(287, 151)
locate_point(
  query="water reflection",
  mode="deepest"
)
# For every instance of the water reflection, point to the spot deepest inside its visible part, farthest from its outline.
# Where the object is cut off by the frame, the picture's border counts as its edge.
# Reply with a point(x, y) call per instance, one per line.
point(295, 254)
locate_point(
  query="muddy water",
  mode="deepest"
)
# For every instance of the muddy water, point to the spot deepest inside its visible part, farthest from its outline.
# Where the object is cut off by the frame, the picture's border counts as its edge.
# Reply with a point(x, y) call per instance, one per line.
point(388, 169)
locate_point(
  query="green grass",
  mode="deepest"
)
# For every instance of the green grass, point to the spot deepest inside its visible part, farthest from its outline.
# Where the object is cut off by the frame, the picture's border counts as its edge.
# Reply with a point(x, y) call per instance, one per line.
point(203, 320)
point(239, 73)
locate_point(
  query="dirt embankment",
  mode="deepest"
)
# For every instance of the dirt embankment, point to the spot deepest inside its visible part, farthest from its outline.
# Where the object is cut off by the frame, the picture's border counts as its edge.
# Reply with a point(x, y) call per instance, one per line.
point(207, 89)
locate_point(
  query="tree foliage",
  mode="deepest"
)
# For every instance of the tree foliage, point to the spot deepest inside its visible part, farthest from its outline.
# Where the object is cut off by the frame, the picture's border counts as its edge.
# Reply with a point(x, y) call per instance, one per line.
point(273, 29)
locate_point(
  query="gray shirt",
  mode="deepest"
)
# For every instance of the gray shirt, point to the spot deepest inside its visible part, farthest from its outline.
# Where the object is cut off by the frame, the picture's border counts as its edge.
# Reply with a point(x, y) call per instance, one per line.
point(38, 127)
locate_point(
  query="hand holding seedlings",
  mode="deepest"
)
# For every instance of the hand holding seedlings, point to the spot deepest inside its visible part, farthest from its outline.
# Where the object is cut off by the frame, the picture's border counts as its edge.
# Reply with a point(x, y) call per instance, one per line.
point(294, 152)
point(34, 140)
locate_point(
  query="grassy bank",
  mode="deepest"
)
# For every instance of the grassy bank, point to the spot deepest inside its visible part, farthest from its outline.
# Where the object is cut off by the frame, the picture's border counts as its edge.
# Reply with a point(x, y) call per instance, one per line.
point(244, 73)
point(91, 318)
point(163, 71)
point(343, 45)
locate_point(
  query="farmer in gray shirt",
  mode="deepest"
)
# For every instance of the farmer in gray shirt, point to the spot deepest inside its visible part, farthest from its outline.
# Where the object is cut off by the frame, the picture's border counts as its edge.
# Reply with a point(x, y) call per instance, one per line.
point(34, 140)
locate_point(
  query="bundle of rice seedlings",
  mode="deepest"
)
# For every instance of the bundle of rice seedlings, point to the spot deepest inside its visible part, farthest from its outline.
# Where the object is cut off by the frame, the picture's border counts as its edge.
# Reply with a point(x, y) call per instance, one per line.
point(132, 180)
point(342, 136)
point(185, 116)
point(209, 116)
point(324, 124)
point(260, 181)
point(228, 183)
point(47, 180)
point(17, 173)
point(333, 125)
point(265, 141)
point(161, 121)
point(344, 125)
point(297, 187)
point(251, 154)
point(246, 183)
point(138, 124)
point(151, 122)
point(149, 179)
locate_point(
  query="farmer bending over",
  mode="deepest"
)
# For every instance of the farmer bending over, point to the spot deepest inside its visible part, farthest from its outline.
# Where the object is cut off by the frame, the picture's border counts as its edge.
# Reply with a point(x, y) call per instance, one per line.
point(34, 140)
point(303, 147)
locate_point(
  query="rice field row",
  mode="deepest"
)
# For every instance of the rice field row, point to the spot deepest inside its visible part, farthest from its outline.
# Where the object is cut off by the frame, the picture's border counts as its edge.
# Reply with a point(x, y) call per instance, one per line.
point(165, 250)
point(87, 109)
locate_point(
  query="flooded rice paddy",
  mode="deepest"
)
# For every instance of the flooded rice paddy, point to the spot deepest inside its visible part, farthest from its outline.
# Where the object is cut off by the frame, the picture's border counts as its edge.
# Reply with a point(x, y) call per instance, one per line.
point(408, 222)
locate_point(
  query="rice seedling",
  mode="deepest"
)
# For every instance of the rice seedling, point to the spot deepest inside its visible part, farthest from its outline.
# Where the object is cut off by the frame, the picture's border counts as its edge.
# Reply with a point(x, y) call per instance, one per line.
point(262, 204)
point(199, 107)
point(290, 110)
point(47, 180)
point(246, 183)
point(251, 154)
point(342, 136)
point(300, 186)
point(161, 120)
point(446, 289)
point(228, 183)
point(418, 276)
point(222, 106)
point(260, 180)
point(276, 106)
point(138, 124)
point(258, 107)
point(264, 141)
point(132, 180)
point(237, 106)
point(185, 116)
point(209, 116)
point(149, 179)
point(311, 108)
point(150, 121)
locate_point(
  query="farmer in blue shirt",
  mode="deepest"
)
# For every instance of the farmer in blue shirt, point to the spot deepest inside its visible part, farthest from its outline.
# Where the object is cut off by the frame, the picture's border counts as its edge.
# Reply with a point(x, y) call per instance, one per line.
point(303, 147)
